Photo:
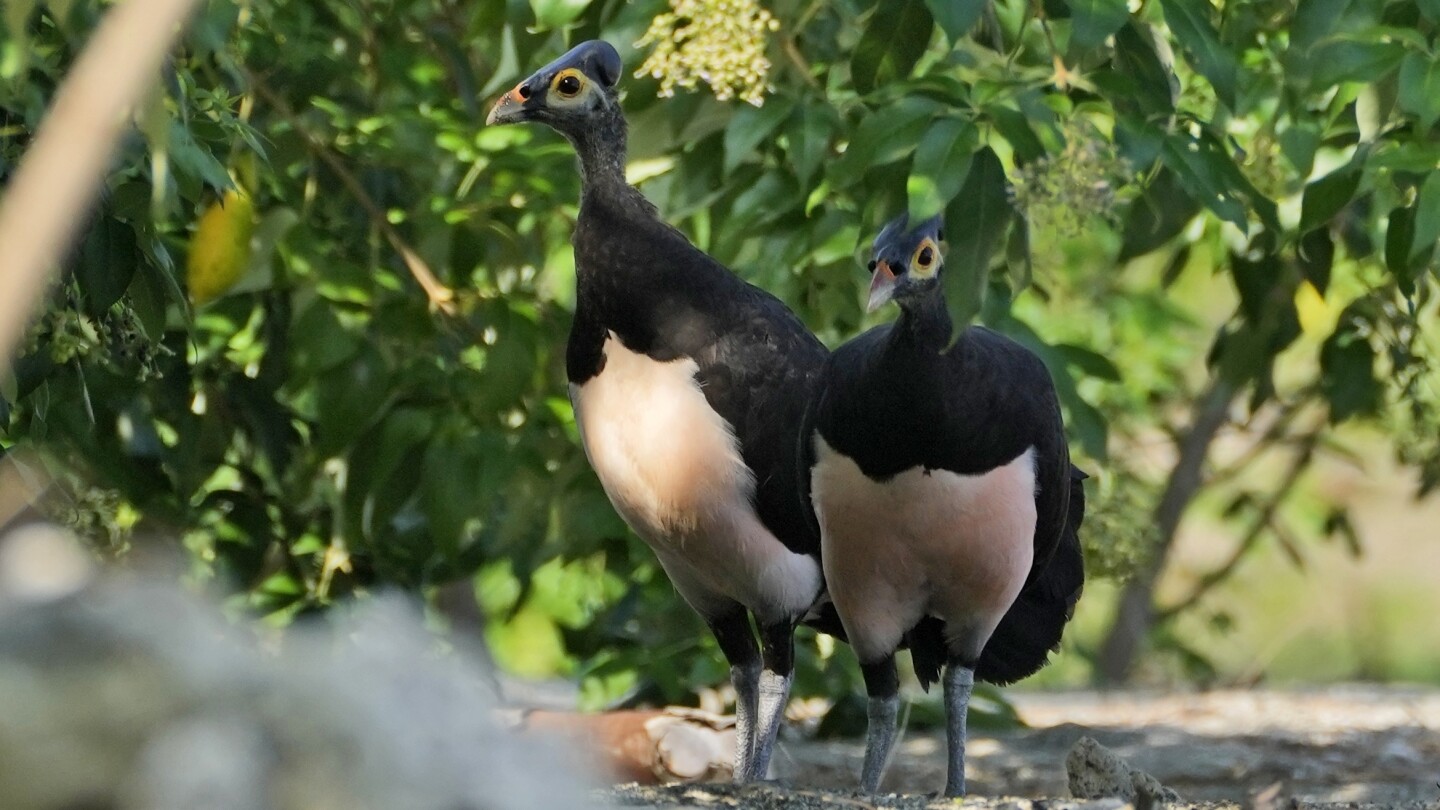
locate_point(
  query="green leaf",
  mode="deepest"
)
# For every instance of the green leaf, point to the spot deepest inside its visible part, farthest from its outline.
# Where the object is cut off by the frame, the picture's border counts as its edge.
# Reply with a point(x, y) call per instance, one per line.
point(1015, 129)
point(750, 126)
point(1093, 364)
point(882, 138)
point(1189, 20)
point(147, 299)
point(318, 341)
point(893, 42)
point(194, 162)
point(942, 160)
point(1325, 197)
point(106, 262)
point(348, 397)
point(449, 486)
point(1314, 20)
point(809, 135)
point(1430, 8)
point(1427, 218)
point(1157, 215)
point(1298, 143)
point(1347, 375)
point(1092, 21)
point(1140, 84)
point(956, 17)
point(1353, 60)
point(1420, 88)
point(1208, 173)
point(1019, 260)
point(1338, 521)
point(557, 13)
point(1316, 255)
point(260, 271)
point(1399, 236)
point(976, 220)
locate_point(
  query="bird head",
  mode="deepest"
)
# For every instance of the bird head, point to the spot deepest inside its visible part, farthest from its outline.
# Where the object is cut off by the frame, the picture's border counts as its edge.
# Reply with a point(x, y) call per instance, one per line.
point(905, 262)
point(566, 92)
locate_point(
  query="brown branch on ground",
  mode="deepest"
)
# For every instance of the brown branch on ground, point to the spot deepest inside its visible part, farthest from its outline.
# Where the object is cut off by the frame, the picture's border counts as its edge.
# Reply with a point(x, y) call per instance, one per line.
point(441, 297)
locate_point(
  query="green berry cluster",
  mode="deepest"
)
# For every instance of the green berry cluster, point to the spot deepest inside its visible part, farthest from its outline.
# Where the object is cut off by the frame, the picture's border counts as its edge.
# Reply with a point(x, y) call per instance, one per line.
point(1061, 193)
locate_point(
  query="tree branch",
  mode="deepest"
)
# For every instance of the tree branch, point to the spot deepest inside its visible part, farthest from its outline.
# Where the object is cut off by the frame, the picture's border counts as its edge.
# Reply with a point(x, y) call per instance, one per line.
point(1136, 613)
point(1263, 520)
point(441, 298)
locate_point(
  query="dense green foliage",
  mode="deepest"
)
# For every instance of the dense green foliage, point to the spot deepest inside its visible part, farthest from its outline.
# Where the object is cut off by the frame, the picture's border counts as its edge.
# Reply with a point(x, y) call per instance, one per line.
point(325, 427)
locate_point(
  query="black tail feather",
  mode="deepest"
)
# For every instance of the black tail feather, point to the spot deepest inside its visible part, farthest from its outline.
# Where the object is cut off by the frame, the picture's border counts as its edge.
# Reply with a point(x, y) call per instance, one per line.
point(1031, 630)
point(927, 650)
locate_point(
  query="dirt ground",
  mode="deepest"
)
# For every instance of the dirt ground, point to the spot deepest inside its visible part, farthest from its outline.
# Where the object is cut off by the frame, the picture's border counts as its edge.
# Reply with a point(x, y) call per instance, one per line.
point(1338, 747)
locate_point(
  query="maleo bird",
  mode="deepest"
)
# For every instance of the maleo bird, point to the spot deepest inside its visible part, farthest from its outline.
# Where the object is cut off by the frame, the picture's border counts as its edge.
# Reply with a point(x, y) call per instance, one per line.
point(688, 386)
point(945, 497)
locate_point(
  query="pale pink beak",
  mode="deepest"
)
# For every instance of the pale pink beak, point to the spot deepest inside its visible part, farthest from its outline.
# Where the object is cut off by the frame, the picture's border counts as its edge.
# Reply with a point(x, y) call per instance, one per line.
point(882, 286)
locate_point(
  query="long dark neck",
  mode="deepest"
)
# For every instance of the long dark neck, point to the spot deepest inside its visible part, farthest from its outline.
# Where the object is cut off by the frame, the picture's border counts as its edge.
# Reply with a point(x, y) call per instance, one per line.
point(924, 324)
point(601, 147)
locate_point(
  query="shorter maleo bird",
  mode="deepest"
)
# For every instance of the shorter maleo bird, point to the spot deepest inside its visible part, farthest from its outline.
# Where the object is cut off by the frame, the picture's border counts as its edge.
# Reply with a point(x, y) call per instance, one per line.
point(946, 501)
point(688, 386)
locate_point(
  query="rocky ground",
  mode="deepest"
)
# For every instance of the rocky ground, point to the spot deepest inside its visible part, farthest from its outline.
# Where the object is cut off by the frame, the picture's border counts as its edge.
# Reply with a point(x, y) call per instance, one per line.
point(1340, 747)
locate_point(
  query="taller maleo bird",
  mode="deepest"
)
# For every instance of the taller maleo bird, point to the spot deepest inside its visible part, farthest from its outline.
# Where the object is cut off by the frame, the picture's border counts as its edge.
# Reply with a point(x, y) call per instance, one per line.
point(688, 386)
point(947, 503)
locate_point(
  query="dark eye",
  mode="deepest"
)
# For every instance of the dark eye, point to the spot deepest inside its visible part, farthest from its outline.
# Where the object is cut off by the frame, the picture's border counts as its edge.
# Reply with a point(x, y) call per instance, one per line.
point(568, 86)
point(926, 256)
point(940, 235)
point(871, 265)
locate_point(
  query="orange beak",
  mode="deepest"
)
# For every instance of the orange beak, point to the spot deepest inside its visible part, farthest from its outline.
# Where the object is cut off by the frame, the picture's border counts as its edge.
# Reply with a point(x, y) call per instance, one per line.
point(882, 286)
point(509, 109)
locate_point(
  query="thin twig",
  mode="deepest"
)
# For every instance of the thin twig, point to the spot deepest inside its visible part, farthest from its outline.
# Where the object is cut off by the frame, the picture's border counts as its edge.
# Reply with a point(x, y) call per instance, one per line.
point(792, 52)
point(1277, 433)
point(1263, 520)
point(441, 298)
point(60, 174)
point(1062, 73)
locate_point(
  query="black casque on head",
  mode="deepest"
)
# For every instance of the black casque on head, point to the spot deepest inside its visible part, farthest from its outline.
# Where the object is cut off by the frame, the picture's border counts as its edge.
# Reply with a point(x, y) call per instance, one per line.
point(571, 87)
point(905, 261)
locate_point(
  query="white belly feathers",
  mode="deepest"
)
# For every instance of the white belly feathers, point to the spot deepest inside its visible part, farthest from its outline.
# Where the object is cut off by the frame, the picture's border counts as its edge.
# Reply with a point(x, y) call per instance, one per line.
point(672, 467)
point(958, 547)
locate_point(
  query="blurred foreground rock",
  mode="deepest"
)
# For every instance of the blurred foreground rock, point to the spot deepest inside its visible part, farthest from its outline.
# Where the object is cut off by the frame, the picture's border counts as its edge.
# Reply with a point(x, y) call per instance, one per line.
point(128, 694)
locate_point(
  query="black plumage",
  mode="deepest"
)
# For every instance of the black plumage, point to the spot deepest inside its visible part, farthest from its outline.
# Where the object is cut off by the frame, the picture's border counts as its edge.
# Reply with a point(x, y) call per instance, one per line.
point(689, 385)
point(977, 422)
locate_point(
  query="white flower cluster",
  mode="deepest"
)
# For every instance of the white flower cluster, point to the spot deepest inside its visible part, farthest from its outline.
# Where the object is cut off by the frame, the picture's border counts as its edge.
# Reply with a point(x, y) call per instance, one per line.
point(720, 42)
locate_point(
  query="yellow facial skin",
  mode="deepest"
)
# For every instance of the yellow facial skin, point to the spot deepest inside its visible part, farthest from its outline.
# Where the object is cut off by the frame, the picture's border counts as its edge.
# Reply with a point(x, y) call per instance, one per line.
point(925, 262)
point(569, 89)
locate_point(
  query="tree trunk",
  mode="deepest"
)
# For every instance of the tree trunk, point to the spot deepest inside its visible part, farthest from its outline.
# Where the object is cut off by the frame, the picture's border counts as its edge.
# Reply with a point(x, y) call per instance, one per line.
point(1135, 614)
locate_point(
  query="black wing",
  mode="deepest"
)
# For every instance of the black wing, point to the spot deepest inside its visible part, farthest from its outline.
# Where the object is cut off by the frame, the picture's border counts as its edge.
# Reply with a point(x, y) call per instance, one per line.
point(759, 375)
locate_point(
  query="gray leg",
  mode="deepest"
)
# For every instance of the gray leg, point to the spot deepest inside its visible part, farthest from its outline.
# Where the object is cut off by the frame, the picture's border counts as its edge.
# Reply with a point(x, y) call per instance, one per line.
point(737, 642)
point(774, 694)
point(959, 683)
point(746, 680)
point(882, 684)
point(777, 648)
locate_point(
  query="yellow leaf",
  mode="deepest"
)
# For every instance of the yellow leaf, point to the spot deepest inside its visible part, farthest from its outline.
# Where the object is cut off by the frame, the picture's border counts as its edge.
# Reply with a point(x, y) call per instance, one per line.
point(1317, 317)
point(528, 645)
point(220, 247)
